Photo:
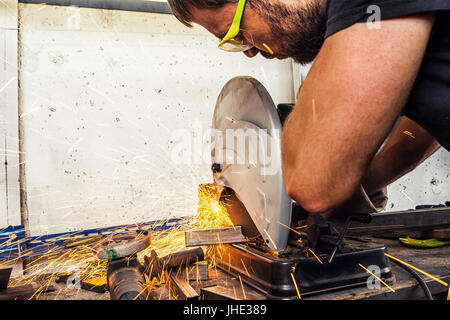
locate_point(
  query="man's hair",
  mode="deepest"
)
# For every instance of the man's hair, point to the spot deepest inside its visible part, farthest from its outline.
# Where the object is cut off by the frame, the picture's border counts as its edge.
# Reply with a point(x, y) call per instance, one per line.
point(182, 8)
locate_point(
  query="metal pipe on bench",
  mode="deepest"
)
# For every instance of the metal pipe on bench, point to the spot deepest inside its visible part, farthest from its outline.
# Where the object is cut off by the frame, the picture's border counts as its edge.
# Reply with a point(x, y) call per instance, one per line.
point(129, 5)
point(402, 221)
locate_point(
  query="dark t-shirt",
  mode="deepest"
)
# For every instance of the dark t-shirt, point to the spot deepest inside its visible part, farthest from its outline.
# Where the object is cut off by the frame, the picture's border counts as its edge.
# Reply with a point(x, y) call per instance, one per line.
point(429, 101)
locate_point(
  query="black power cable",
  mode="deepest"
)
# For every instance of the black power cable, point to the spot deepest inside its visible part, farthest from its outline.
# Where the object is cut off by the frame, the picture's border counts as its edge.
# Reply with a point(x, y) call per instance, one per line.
point(422, 283)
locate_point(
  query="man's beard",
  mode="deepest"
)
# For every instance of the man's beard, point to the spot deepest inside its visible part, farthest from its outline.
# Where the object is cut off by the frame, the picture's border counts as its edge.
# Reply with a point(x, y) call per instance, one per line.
point(301, 30)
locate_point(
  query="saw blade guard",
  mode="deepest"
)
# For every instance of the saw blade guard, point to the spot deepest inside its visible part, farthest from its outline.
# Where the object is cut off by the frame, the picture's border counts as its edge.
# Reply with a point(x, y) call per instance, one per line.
point(246, 157)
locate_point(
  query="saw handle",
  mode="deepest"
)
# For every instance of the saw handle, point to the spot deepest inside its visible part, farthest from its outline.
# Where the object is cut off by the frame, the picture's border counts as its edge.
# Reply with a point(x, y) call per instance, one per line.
point(360, 217)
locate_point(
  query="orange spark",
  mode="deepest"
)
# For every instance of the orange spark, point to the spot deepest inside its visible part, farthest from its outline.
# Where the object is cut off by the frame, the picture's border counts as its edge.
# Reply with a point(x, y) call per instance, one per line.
point(314, 109)
point(417, 269)
point(268, 48)
point(242, 286)
point(408, 197)
point(150, 289)
point(295, 284)
point(245, 268)
point(198, 274)
point(270, 238)
point(408, 133)
point(142, 291)
point(318, 259)
point(289, 228)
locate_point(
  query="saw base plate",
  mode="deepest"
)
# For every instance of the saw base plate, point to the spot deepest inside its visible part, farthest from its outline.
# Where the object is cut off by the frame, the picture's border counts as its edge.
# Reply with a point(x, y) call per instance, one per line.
point(273, 275)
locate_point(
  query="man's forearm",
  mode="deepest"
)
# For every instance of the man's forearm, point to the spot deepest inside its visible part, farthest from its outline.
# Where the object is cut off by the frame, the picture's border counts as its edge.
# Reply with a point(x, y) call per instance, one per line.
point(407, 147)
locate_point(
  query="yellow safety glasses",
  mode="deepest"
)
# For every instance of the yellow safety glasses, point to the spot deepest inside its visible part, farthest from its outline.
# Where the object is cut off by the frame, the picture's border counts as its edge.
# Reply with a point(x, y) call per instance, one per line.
point(233, 40)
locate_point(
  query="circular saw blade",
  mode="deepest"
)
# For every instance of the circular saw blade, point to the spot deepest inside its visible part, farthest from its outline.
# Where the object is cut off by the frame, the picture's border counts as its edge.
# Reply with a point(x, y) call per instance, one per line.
point(238, 213)
point(247, 146)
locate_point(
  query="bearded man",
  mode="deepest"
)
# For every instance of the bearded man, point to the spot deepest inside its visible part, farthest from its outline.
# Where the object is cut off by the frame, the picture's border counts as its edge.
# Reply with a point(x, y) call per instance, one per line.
point(374, 62)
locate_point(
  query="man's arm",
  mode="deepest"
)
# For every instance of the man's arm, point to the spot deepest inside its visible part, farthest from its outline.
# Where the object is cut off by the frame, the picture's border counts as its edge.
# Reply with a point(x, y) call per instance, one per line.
point(349, 102)
point(408, 146)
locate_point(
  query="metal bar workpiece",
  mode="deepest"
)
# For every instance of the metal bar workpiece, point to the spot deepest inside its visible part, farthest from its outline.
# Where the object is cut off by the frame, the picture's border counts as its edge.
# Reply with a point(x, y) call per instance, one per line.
point(400, 221)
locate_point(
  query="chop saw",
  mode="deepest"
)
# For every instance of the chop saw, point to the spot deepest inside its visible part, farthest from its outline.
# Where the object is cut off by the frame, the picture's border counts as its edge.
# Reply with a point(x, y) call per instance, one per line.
point(246, 171)
point(280, 257)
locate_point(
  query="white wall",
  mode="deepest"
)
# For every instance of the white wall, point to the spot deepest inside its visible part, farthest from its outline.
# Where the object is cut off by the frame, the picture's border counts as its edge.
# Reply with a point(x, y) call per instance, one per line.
point(427, 184)
point(9, 131)
point(101, 93)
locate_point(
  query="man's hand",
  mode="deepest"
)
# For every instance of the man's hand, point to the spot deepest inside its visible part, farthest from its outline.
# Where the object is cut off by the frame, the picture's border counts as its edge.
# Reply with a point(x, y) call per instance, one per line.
point(349, 102)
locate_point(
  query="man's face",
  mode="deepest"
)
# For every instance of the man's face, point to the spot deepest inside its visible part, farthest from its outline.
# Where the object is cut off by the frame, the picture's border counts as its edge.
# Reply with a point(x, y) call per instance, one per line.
point(289, 30)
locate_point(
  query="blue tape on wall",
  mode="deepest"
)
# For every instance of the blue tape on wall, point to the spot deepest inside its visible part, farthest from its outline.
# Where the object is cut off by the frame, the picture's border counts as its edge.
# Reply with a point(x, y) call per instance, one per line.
point(14, 245)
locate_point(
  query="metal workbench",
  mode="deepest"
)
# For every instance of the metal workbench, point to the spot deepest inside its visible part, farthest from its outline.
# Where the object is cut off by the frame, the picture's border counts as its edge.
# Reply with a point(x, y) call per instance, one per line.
point(222, 286)
point(434, 261)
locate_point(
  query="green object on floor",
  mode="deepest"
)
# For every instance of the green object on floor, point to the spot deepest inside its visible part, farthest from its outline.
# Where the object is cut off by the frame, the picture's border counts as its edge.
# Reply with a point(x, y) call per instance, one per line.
point(427, 243)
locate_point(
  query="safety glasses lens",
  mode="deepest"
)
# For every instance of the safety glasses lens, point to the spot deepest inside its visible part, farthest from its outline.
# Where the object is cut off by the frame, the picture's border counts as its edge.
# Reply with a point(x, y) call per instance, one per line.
point(235, 46)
